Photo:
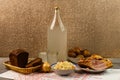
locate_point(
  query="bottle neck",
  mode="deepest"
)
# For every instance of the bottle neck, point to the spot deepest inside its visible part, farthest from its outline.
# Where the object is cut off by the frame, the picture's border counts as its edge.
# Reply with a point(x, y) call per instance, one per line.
point(56, 19)
point(57, 13)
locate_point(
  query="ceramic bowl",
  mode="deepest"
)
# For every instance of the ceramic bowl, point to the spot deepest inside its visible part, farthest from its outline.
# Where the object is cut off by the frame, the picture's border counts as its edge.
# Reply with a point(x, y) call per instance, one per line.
point(62, 72)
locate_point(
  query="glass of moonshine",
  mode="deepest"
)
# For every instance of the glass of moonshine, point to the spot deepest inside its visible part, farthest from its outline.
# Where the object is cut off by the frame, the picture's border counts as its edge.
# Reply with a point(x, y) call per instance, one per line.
point(57, 40)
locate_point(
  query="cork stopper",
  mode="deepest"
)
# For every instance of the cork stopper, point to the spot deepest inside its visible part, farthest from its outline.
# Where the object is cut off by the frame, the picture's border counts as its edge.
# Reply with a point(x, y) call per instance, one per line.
point(56, 8)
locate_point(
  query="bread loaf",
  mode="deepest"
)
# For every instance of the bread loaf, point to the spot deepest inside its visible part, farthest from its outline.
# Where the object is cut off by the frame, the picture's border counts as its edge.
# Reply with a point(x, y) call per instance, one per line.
point(19, 58)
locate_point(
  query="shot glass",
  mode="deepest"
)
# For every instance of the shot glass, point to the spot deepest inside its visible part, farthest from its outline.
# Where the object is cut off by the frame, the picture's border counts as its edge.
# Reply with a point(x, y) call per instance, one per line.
point(52, 57)
point(43, 55)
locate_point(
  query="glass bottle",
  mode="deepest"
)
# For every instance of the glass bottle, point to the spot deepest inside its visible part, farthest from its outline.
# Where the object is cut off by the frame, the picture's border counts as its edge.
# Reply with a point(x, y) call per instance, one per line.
point(57, 39)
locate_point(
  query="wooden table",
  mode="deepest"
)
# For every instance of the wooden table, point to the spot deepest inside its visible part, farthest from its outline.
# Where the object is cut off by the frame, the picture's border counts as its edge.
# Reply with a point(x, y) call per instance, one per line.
point(116, 63)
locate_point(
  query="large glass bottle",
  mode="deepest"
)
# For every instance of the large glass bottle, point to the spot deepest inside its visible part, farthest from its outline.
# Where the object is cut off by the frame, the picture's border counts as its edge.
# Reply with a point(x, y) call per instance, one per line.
point(57, 39)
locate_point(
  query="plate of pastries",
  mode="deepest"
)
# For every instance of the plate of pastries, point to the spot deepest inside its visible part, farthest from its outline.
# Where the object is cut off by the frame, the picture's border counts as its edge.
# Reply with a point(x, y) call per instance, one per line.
point(77, 53)
point(88, 62)
point(19, 62)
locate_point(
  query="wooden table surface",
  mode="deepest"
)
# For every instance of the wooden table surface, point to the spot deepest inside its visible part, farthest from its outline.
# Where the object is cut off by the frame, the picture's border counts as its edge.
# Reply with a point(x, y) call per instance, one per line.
point(3, 69)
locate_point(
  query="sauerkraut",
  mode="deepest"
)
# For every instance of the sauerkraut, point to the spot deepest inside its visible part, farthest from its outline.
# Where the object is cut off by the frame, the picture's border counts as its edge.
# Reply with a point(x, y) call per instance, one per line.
point(65, 65)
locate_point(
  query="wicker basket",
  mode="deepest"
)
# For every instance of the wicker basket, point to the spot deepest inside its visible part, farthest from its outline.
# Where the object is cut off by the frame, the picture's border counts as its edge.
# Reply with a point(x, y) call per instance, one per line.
point(21, 70)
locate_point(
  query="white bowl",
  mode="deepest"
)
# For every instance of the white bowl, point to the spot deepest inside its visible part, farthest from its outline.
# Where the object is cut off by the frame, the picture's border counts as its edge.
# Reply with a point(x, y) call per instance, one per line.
point(62, 72)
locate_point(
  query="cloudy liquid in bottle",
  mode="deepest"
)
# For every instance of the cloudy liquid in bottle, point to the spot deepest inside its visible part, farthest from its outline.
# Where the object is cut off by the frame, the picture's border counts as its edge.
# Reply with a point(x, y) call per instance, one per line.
point(57, 40)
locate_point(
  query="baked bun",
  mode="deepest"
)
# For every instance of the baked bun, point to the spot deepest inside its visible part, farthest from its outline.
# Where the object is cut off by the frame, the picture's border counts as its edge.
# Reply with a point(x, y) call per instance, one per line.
point(77, 52)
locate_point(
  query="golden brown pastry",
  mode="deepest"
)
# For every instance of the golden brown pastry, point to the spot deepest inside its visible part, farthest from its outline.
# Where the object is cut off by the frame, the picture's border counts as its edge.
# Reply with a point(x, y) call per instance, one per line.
point(80, 56)
point(77, 50)
point(96, 56)
point(85, 53)
point(71, 53)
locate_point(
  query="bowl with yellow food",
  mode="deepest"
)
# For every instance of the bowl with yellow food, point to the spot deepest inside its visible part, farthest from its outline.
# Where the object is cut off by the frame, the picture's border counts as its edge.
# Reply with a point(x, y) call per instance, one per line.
point(63, 68)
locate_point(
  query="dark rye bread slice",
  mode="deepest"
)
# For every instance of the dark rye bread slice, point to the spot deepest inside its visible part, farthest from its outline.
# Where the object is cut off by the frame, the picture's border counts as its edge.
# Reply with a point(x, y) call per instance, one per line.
point(19, 57)
point(34, 62)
